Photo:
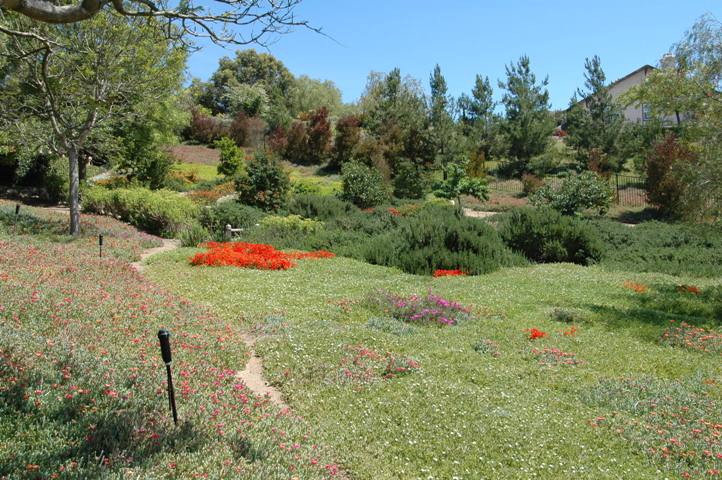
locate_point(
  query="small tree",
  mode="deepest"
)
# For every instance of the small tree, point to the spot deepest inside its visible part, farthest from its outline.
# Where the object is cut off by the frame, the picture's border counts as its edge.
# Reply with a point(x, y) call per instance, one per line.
point(264, 185)
point(576, 194)
point(231, 157)
point(458, 183)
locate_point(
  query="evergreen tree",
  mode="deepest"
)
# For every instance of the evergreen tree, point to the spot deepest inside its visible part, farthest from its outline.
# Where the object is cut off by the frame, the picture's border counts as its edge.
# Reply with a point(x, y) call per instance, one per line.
point(442, 125)
point(484, 121)
point(595, 122)
point(528, 124)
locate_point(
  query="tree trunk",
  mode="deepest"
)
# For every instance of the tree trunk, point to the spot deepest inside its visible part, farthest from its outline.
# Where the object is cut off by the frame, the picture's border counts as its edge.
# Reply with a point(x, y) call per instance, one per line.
point(74, 194)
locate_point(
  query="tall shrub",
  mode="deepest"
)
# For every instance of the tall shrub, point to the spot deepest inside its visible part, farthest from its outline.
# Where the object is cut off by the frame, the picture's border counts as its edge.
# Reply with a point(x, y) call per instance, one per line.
point(665, 188)
point(363, 186)
point(264, 184)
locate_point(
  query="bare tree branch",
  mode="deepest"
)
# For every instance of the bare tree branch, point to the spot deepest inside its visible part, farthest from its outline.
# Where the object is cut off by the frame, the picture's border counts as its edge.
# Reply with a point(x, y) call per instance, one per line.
point(237, 22)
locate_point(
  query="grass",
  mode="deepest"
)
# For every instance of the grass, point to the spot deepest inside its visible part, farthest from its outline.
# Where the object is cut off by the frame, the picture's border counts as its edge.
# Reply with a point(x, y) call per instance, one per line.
point(202, 172)
point(465, 414)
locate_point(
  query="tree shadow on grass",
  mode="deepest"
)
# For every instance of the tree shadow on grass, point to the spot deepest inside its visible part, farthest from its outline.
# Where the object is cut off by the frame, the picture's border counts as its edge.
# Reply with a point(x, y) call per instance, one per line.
point(654, 309)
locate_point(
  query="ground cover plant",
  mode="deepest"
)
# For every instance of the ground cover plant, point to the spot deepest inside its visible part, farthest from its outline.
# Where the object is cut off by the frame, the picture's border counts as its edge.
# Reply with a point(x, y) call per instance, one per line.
point(676, 249)
point(487, 400)
point(82, 391)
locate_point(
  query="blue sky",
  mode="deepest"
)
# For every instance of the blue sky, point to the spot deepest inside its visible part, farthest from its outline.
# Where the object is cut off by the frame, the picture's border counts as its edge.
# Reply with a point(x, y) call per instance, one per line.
point(468, 37)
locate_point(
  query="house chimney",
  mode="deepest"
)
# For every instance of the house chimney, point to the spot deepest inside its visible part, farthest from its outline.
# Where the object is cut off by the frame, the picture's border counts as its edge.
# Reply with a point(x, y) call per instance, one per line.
point(668, 61)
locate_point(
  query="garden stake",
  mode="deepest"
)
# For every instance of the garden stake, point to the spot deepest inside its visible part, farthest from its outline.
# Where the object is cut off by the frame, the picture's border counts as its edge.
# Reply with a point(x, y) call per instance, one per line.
point(100, 244)
point(164, 337)
point(17, 210)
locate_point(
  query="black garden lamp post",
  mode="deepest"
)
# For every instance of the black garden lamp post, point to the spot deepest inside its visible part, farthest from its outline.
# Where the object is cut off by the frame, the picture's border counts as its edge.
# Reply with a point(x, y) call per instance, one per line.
point(164, 337)
point(100, 244)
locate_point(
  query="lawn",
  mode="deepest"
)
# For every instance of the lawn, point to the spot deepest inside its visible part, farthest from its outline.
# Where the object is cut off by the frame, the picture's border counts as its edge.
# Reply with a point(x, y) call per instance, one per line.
point(201, 172)
point(487, 402)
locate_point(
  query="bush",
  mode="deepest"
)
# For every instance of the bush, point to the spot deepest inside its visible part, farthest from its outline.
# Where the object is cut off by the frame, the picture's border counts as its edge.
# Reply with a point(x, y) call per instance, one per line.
point(674, 249)
point(205, 128)
point(436, 239)
point(665, 188)
point(348, 136)
point(410, 181)
point(575, 194)
point(194, 235)
point(320, 207)
point(160, 212)
point(545, 236)
point(292, 224)
point(531, 183)
point(363, 186)
point(265, 184)
point(214, 219)
point(231, 157)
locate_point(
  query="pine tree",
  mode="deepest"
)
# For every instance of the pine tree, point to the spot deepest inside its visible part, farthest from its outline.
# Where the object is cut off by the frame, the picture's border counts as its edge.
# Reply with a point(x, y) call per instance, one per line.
point(529, 124)
point(442, 124)
point(595, 121)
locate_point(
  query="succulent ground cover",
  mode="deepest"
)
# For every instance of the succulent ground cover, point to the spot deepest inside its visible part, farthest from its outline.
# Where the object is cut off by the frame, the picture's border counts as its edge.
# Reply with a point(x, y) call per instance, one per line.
point(512, 391)
point(82, 385)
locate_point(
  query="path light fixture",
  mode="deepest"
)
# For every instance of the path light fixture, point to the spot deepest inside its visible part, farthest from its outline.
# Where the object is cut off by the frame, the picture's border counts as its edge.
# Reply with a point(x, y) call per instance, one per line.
point(17, 210)
point(164, 337)
point(100, 244)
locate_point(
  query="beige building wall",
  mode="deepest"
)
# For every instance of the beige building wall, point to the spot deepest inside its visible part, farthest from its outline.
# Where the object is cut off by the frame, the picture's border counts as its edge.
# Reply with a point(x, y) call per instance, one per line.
point(633, 113)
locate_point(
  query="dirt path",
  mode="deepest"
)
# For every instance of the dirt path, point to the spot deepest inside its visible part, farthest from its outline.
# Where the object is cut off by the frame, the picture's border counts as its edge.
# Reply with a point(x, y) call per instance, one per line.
point(477, 214)
point(167, 246)
point(252, 375)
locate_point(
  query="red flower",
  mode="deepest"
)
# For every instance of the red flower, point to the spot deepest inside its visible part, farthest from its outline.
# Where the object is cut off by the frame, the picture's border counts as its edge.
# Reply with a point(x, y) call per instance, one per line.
point(252, 255)
point(448, 273)
point(535, 333)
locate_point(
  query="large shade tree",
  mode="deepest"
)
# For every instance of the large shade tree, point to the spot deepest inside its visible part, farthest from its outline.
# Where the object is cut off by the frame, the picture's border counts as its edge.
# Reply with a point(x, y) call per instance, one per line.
point(62, 82)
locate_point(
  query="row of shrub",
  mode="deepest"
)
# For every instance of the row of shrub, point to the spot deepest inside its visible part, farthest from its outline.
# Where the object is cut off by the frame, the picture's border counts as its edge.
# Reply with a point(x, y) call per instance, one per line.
point(160, 212)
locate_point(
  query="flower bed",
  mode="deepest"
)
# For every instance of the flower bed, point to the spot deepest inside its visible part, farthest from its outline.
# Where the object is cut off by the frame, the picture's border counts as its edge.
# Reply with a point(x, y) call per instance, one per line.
point(427, 309)
point(251, 255)
point(685, 335)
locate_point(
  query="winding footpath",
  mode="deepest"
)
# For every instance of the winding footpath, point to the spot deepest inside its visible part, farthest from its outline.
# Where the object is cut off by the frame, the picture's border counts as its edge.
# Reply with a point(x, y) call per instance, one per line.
point(252, 375)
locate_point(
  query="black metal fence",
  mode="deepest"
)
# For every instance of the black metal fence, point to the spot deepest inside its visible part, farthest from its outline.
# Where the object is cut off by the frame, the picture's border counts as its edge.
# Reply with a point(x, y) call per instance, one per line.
point(628, 189)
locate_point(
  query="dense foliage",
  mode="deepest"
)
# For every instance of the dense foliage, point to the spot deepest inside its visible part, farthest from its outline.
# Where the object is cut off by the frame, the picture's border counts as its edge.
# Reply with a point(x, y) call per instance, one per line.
point(363, 186)
point(264, 184)
point(160, 212)
point(546, 236)
point(675, 249)
point(575, 194)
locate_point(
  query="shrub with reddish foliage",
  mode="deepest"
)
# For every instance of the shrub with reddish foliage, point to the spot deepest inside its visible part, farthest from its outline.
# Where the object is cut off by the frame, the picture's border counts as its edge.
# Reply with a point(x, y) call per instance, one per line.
point(251, 255)
point(664, 185)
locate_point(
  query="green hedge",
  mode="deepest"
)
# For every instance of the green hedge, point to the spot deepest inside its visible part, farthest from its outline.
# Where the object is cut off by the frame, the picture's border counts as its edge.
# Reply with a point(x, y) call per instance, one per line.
point(160, 212)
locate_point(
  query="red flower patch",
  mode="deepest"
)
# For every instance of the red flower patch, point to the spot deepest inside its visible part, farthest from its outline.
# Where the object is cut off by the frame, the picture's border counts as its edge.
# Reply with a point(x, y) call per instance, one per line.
point(636, 287)
point(252, 255)
point(696, 338)
point(689, 289)
point(448, 273)
point(535, 333)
